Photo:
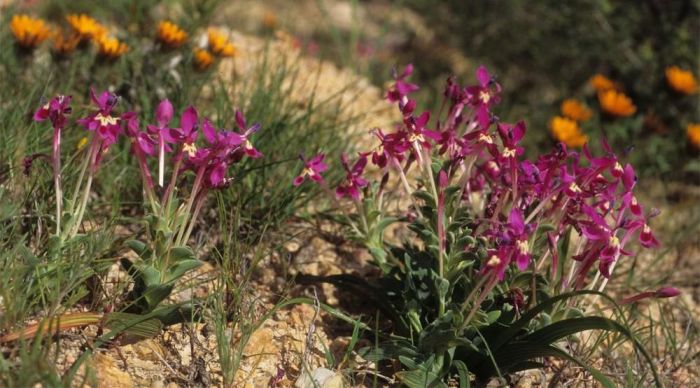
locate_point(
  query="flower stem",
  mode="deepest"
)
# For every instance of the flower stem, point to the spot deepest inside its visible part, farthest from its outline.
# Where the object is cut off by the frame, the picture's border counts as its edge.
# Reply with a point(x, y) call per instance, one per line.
point(195, 214)
point(161, 162)
point(195, 189)
point(57, 177)
point(86, 193)
point(167, 196)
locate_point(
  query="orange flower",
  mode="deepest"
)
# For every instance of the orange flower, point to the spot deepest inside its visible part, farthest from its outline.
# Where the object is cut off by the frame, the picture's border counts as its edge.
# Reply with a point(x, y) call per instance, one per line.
point(202, 59)
point(602, 83)
point(575, 110)
point(29, 32)
point(682, 81)
point(110, 48)
point(567, 131)
point(693, 131)
point(269, 19)
point(616, 103)
point(219, 44)
point(170, 34)
point(86, 27)
point(63, 45)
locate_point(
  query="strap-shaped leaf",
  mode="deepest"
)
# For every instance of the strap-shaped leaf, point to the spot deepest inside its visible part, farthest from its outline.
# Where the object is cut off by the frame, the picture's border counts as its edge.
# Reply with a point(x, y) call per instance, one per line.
point(558, 330)
point(133, 324)
point(508, 334)
point(517, 353)
point(464, 381)
point(505, 335)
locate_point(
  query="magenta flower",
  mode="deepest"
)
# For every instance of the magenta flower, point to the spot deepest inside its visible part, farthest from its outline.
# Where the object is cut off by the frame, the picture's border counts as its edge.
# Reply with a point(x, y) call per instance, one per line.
point(418, 134)
point(519, 233)
point(312, 169)
point(497, 261)
point(164, 113)
point(353, 179)
point(402, 88)
point(142, 144)
point(242, 139)
point(392, 147)
point(56, 110)
point(224, 149)
point(102, 122)
point(483, 96)
point(187, 133)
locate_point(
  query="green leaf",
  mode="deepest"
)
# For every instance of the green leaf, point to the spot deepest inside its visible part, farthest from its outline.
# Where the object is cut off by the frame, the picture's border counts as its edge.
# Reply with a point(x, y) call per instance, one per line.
point(385, 222)
point(516, 353)
point(426, 374)
point(149, 275)
point(464, 381)
point(137, 246)
point(180, 268)
point(181, 253)
point(133, 324)
point(155, 294)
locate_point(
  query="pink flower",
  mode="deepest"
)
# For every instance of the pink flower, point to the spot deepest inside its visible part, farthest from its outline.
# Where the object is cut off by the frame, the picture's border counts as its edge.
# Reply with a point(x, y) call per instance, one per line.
point(353, 179)
point(105, 125)
point(312, 170)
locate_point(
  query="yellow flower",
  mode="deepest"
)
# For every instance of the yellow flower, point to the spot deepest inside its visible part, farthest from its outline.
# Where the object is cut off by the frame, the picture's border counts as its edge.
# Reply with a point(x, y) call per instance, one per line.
point(170, 34)
point(110, 48)
point(616, 103)
point(567, 131)
point(29, 32)
point(693, 132)
point(81, 144)
point(575, 110)
point(86, 27)
point(682, 81)
point(63, 44)
point(602, 83)
point(219, 44)
point(202, 59)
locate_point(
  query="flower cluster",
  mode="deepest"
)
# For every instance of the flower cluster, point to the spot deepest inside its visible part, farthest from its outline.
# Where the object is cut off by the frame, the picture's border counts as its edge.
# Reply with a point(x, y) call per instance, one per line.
point(86, 28)
point(210, 162)
point(31, 32)
point(611, 99)
point(615, 103)
point(218, 44)
point(481, 157)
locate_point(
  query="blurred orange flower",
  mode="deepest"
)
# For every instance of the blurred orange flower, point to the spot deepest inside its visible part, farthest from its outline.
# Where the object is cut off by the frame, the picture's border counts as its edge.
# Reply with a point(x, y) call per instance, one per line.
point(202, 59)
point(602, 83)
point(63, 44)
point(170, 34)
point(269, 19)
point(575, 110)
point(86, 27)
point(567, 131)
point(616, 103)
point(29, 32)
point(682, 81)
point(693, 132)
point(219, 44)
point(110, 48)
